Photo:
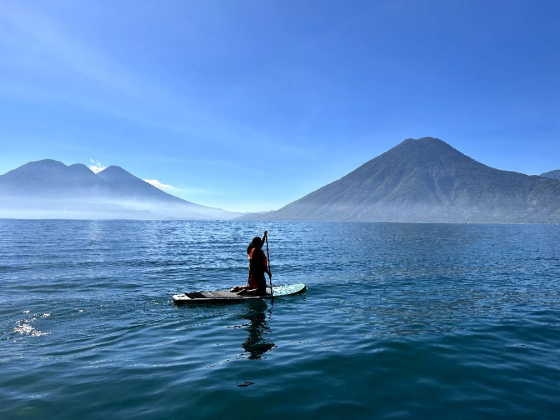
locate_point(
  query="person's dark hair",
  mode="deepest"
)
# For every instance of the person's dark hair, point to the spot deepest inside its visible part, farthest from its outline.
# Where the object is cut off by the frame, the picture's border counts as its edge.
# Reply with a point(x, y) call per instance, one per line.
point(255, 243)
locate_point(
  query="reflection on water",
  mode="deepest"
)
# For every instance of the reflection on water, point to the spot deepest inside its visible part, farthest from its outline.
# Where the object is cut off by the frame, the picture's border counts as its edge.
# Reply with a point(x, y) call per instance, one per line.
point(256, 345)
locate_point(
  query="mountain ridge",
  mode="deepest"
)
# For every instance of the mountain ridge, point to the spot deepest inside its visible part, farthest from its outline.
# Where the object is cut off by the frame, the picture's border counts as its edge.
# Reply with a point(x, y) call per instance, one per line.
point(427, 180)
point(555, 174)
point(136, 186)
point(51, 189)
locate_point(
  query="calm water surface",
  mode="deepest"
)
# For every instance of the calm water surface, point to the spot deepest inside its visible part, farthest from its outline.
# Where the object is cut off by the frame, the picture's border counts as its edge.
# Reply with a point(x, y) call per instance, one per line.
point(400, 321)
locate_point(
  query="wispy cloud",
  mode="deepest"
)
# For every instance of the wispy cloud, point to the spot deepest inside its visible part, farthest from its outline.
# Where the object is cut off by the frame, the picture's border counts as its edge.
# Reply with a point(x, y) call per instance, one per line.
point(104, 84)
point(159, 185)
point(96, 166)
point(99, 82)
point(57, 66)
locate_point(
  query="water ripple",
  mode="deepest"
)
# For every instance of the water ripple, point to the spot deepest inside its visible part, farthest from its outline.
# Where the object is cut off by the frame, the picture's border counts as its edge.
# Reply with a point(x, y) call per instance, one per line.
point(399, 321)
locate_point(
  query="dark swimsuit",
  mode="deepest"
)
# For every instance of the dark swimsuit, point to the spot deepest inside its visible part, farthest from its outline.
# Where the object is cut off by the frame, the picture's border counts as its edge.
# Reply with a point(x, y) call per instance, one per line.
point(258, 265)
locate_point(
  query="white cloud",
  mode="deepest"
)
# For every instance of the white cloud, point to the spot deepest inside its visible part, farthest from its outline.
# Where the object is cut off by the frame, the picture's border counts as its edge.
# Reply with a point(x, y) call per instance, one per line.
point(159, 185)
point(96, 166)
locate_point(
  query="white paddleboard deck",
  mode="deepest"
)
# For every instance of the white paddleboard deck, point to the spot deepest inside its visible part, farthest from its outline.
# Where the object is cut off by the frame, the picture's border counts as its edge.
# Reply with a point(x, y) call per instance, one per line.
point(225, 296)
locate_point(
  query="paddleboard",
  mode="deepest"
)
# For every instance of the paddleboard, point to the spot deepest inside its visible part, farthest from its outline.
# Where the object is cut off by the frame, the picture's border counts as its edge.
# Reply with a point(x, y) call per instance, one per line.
point(225, 296)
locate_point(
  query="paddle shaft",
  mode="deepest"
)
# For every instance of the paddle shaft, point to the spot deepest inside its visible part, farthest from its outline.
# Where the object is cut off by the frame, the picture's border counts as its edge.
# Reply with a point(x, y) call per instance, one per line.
point(268, 259)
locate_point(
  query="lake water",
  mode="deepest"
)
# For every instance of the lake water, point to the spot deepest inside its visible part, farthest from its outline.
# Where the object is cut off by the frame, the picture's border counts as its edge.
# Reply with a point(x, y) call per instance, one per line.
point(399, 321)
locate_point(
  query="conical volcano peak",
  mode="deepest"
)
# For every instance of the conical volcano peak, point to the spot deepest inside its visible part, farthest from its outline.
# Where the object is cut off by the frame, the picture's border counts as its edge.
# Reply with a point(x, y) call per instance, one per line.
point(79, 167)
point(45, 163)
point(426, 142)
point(136, 187)
point(115, 172)
point(38, 168)
point(114, 169)
point(427, 151)
point(427, 138)
point(430, 139)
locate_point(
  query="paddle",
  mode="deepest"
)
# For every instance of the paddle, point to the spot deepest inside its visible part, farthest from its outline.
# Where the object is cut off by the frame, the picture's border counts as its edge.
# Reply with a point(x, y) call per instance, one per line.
point(265, 237)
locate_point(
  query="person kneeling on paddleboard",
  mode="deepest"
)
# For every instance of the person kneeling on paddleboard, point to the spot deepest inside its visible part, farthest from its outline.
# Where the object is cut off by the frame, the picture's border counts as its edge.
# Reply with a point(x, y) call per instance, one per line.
point(258, 265)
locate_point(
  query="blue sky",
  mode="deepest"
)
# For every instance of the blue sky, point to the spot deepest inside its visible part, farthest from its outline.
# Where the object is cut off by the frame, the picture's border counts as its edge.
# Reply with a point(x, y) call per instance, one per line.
point(248, 105)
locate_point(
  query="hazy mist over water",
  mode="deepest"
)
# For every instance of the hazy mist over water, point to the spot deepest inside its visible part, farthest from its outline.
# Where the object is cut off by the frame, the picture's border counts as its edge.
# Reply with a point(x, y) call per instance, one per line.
point(399, 321)
point(105, 209)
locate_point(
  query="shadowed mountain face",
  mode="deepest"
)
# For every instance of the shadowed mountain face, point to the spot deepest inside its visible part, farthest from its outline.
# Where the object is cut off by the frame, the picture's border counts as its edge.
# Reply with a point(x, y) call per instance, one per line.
point(552, 174)
point(135, 188)
point(52, 179)
point(50, 189)
point(426, 180)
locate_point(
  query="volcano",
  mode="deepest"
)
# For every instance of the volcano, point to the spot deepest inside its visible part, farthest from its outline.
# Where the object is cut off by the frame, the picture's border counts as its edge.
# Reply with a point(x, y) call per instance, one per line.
point(427, 180)
point(50, 189)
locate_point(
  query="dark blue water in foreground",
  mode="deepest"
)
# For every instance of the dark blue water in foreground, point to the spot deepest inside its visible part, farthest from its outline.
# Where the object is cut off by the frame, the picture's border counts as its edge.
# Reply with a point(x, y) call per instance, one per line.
point(400, 321)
